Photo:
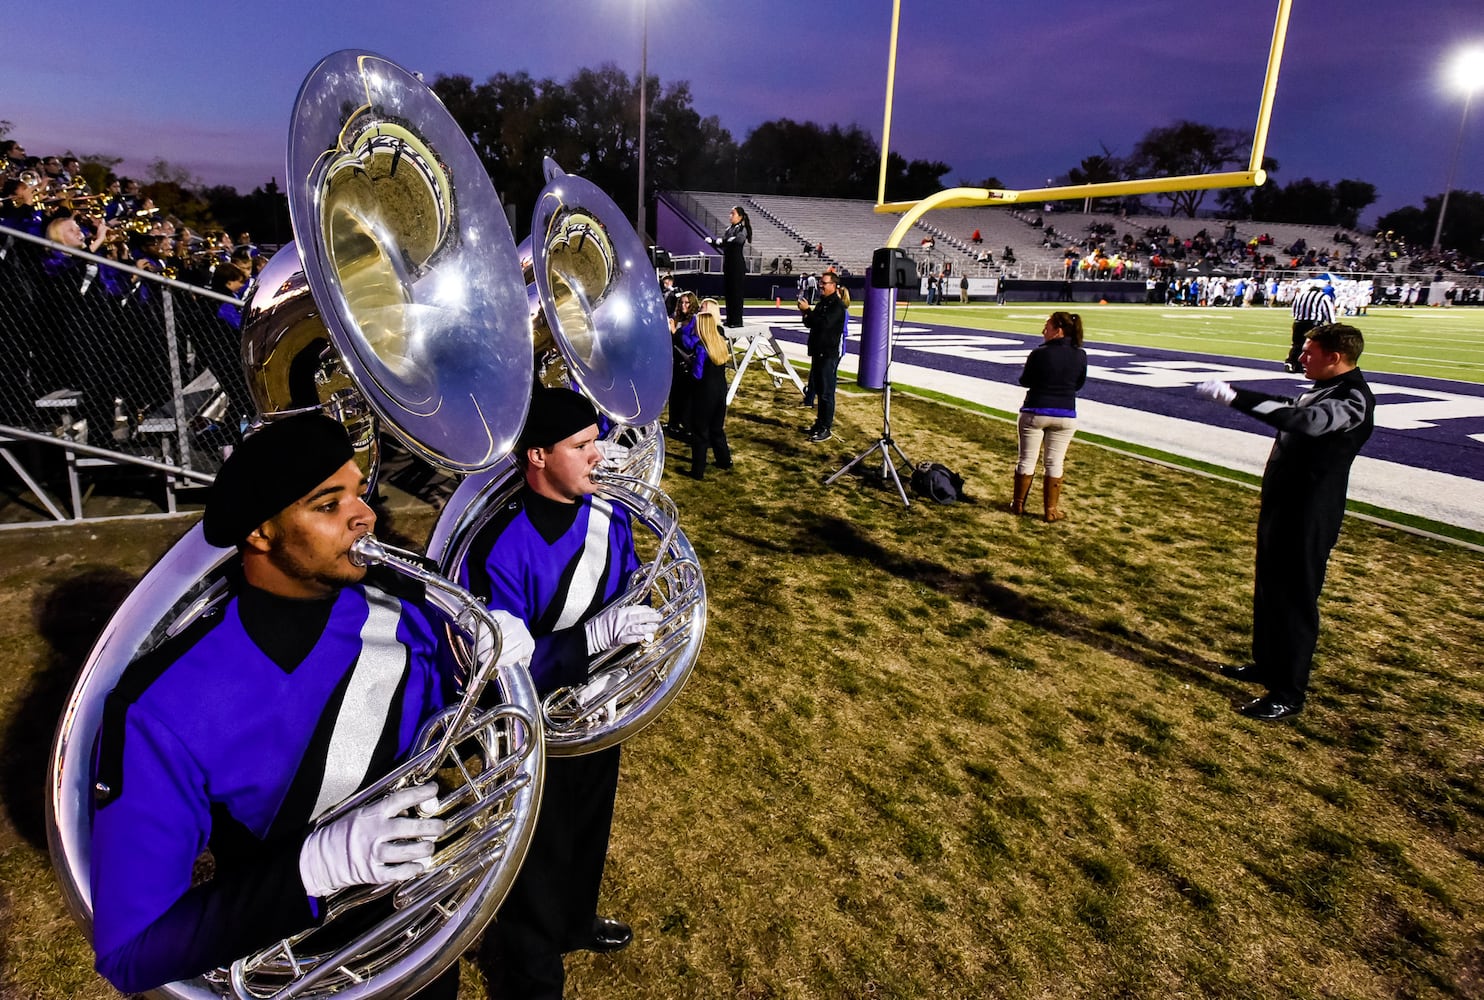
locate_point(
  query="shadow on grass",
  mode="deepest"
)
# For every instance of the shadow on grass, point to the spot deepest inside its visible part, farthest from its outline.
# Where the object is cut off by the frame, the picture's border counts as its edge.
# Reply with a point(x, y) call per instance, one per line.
point(69, 616)
point(980, 590)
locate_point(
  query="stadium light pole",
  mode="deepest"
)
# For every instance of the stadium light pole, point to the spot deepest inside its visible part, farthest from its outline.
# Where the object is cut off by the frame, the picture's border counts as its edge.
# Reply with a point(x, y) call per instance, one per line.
point(643, 114)
point(1467, 75)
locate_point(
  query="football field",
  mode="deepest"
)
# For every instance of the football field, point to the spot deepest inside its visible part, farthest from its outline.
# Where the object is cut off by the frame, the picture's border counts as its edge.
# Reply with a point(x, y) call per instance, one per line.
point(1433, 342)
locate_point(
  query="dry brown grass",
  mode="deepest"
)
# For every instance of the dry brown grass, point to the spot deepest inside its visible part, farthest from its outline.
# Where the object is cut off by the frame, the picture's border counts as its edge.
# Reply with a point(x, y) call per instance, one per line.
point(945, 752)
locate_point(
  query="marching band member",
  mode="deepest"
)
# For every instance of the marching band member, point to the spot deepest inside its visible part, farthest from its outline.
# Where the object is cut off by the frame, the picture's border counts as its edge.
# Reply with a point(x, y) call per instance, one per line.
point(554, 557)
point(309, 682)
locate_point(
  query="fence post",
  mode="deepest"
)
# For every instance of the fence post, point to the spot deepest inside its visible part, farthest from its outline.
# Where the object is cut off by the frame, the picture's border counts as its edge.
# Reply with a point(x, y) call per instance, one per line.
point(177, 388)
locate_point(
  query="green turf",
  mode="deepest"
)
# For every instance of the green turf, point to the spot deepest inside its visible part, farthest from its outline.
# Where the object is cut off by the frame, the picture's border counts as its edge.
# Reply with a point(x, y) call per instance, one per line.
point(946, 752)
point(1438, 343)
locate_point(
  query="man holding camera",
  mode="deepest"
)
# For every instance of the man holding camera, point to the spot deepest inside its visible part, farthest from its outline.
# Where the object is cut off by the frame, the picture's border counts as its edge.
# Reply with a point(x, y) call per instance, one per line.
point(826, 323)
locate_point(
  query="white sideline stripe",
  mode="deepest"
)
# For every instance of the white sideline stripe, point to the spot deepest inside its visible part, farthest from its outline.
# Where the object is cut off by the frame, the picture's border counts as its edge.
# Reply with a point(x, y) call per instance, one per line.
point(1437, 496)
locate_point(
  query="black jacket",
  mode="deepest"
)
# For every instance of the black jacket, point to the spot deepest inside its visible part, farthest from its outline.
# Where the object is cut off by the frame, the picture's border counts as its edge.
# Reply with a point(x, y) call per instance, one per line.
point(1054, 372)
point(826, 323)
point(1319, 435)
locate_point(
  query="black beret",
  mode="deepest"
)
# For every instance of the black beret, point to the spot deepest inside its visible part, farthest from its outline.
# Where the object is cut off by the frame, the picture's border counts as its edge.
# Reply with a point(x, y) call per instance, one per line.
point(269, 470)
point(555, 415)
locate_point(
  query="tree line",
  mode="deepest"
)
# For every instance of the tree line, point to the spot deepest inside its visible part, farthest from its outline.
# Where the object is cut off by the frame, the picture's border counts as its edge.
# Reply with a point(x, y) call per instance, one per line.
point(589, 124)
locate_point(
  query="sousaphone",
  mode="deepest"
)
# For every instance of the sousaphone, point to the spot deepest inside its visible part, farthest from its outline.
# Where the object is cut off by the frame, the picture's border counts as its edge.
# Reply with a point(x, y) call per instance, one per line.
point(601, 329)
point(412, 271)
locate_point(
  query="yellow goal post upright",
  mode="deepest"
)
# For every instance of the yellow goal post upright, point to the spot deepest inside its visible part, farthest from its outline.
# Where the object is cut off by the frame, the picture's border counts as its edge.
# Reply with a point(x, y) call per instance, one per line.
point(967, 197)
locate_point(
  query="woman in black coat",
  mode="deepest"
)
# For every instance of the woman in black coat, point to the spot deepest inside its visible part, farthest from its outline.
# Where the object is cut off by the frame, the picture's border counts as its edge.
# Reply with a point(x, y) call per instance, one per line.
point(733, 244)
point(1054, 372)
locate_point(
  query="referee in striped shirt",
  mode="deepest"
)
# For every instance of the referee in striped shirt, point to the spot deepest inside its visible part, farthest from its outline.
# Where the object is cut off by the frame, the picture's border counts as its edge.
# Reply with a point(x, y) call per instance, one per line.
point(1314, 306)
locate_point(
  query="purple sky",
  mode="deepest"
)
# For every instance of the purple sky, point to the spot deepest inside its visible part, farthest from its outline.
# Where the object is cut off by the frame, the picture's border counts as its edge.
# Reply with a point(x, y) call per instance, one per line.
point(1013, 88)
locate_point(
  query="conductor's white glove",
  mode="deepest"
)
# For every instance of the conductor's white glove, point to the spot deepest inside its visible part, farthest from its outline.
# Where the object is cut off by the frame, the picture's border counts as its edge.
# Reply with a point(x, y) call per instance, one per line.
point(516, 644)
point(1217, 391)
point(372, 845)
point(621, 626)
point(614, 454)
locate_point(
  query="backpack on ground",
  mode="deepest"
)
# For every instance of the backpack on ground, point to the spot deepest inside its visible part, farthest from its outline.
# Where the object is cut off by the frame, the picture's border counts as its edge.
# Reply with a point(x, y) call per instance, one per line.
point(937, 482)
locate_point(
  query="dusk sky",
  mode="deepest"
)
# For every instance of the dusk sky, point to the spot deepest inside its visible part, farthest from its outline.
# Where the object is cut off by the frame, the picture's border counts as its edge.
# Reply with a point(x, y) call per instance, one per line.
point(1018, 89)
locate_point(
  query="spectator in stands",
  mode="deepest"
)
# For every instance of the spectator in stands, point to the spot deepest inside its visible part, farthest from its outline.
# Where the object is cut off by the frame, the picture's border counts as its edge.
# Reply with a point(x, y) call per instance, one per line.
point(21, 301)
point(976, 238)
point(79, 313)
point(221, 350)
point(733, 244)
point(20, 210)
point(1054, 373)
point(12, 157)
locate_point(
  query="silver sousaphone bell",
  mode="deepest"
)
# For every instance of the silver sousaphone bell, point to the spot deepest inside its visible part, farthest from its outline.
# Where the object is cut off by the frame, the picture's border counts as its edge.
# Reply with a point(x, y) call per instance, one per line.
point(413, 278)
point(600, 328)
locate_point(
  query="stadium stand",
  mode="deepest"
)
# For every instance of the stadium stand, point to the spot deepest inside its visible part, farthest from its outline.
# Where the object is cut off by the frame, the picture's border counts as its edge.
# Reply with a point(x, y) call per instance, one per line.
point(849, 230)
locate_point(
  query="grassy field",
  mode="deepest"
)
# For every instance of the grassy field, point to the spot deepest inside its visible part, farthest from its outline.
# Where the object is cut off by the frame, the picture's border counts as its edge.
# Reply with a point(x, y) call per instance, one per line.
point(946, 752)
point(1438, 343)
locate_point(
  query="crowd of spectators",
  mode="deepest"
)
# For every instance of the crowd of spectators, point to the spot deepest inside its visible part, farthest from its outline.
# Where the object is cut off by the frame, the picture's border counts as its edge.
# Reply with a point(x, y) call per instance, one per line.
point(37, 191)
point(70, 323)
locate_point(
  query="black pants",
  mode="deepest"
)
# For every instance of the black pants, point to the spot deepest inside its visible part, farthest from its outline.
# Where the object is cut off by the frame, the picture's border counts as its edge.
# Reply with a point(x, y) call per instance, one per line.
point(553, 901)
point(681, 390)
point(709, 421)
point(1301, 328)
point(1292, 556)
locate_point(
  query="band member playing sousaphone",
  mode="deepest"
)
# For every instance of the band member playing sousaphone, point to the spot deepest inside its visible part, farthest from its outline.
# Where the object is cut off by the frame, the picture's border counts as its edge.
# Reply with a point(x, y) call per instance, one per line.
point(554, 557)
point(306, 684)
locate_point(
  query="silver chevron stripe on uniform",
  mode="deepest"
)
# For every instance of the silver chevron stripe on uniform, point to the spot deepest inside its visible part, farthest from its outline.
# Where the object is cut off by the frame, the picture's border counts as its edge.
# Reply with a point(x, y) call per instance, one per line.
point(589, 573)
point(373, 686)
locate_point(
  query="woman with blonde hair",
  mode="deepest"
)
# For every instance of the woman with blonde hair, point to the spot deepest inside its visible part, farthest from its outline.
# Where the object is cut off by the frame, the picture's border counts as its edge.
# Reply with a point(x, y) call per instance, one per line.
point(708, 380)
point(1053, 374)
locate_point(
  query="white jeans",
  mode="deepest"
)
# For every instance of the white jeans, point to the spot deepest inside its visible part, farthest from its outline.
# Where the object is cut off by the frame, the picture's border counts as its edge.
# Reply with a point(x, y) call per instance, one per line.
point(1047, 436)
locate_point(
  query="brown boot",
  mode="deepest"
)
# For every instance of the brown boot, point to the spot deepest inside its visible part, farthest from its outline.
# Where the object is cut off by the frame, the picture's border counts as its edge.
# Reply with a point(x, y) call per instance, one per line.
point(1051, 492)
point(1022, 490)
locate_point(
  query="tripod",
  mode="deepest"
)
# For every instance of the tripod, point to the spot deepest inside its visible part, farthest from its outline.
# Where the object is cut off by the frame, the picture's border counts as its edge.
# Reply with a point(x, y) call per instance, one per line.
point(885, 445)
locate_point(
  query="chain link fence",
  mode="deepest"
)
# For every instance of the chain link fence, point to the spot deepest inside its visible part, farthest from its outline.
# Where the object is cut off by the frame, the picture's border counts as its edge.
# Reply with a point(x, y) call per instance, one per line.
point(111, 357)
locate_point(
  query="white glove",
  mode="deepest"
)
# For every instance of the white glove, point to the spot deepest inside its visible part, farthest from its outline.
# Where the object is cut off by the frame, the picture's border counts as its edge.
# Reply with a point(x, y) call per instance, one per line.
point(372, 845)
point(516, 644)
point(621, 626)
point(592, 692)
point(614, 454)
point(1217, 391)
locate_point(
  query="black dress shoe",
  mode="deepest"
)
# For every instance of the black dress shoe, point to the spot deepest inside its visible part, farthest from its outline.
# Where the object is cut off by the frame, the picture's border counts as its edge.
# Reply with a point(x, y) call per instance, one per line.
point(1247, 672)
point(1268, 710)
point(610, 935)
